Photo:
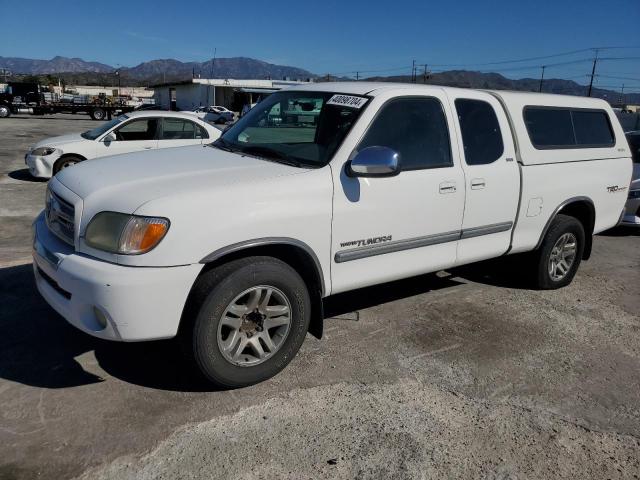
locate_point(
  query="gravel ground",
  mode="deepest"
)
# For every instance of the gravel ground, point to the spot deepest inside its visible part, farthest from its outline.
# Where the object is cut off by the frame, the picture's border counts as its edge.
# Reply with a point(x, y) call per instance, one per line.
point(461, 374)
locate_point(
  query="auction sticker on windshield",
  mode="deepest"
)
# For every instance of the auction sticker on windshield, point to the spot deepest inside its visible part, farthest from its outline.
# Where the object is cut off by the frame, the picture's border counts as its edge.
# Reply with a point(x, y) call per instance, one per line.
point(347, 101)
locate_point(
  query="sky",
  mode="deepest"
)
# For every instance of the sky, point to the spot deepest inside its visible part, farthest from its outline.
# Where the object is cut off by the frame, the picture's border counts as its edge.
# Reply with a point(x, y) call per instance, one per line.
point(338, 37)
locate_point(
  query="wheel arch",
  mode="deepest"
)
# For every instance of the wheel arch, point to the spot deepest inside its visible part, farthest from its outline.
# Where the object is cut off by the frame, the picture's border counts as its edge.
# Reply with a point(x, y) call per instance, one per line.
point(67, 155)
point(581, 208)
point(295, 253)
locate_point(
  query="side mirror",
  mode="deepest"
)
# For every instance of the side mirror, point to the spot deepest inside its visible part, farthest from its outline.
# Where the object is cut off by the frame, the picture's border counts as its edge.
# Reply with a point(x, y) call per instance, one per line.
point(374, 162)
point(109, 137)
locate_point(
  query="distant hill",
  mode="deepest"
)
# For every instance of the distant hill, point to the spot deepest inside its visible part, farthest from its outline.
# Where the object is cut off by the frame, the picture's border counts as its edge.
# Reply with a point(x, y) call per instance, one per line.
point(236, 67)
point(77, 71)
point(495, 81)
point(155, 71)
point(55, 65)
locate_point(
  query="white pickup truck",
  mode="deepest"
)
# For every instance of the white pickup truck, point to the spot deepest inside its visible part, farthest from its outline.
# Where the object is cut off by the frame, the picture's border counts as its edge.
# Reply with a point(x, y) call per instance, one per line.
point(322, 189)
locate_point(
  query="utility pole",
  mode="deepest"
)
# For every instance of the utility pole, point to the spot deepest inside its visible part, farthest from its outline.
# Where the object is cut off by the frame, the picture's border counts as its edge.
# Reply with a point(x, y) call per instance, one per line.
point(541, 79)
point(593, 73)
point(413, 72)
point(424, 75)
point(622, 102)
point(357, 76)
point(213, 61)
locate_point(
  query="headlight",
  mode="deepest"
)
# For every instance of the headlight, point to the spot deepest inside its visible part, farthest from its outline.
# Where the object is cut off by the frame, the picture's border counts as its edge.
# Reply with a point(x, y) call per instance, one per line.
point(125, 234)
point(43, 151)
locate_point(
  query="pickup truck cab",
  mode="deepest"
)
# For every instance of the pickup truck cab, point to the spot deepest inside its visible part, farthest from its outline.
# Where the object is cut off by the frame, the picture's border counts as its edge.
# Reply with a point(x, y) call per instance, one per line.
point(232, 246)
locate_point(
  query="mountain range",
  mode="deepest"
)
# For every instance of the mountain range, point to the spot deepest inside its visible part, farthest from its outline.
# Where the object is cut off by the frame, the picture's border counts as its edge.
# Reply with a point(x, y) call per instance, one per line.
point(157, 70)
point(77, 71)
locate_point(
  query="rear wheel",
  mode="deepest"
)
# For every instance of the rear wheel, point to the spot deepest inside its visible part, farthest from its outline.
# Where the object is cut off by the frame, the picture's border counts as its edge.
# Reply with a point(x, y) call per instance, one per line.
point(65, 162)
point(5, 111)
point(559, 256)
point(98, 114)
point(250, 318)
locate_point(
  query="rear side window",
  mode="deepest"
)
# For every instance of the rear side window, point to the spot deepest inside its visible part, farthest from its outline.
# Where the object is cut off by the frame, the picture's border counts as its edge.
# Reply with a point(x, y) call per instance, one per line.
point(416, 128)
point(592, 128)
point(481, 135)
point(180, 129)
point(568, 128)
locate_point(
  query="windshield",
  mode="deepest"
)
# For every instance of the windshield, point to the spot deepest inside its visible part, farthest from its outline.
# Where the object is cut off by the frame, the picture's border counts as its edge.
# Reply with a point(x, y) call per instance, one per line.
point(299, 128)
point(105, 127)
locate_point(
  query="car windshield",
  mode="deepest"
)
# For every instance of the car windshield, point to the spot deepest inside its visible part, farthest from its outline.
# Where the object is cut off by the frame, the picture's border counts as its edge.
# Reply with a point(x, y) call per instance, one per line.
point(298, 128)
point(105, 127)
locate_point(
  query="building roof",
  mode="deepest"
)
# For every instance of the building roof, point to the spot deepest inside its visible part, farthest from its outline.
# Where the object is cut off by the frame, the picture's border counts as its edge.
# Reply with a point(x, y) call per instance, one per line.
point(235, 82)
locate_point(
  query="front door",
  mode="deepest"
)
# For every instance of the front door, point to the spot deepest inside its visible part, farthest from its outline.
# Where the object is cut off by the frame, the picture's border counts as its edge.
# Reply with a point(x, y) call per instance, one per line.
point(492, 176)
point(394, 227)
point(135, 135)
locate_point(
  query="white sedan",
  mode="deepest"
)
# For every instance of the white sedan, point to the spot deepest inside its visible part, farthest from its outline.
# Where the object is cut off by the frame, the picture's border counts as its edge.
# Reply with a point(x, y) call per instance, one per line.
point(213, 114)
point(144, 130)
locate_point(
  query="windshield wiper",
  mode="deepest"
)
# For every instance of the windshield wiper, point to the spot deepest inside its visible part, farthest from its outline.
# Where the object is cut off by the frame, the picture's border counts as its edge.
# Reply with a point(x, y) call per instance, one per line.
point(222, 144)
point(272, 154)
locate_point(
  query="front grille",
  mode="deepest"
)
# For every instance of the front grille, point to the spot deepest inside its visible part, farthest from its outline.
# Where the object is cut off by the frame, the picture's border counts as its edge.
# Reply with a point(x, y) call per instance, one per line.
point(60, 216)
point(53, 284)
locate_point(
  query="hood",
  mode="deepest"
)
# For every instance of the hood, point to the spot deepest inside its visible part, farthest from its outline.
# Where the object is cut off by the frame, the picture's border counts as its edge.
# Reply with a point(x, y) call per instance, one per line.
point(59, 141)
point(124, 182)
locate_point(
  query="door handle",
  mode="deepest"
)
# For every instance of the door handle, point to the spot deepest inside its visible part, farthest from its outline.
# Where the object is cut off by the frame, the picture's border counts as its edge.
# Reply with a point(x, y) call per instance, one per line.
point(477, 183)
point(447, 187)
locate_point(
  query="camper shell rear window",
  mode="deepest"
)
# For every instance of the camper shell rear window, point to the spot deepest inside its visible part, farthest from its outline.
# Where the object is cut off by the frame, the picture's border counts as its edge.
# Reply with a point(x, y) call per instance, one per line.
point(568, 127)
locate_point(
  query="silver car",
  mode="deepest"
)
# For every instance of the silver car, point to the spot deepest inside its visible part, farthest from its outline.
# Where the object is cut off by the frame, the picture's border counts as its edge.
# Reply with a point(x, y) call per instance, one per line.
point(631, 215)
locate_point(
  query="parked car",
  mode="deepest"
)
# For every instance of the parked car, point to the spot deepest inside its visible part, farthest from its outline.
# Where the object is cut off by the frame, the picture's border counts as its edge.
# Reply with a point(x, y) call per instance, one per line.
point(148, 106)
point(213, 114)
point(240, 241)
point(145, 130)
point(631, 215)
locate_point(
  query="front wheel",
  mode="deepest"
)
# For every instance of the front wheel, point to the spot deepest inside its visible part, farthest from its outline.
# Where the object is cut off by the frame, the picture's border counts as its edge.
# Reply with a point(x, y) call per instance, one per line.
point(65, 162)
point(5, 111)
point(559, 256)
point(252, 317)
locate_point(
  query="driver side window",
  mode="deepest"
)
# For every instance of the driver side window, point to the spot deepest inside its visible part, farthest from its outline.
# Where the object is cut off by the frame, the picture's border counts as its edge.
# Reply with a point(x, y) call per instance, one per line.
point(143, 129)
point(416, 128)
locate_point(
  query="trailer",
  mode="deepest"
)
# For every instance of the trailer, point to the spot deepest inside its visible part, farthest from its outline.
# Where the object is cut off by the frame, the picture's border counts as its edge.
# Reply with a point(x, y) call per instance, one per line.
point(21, 95)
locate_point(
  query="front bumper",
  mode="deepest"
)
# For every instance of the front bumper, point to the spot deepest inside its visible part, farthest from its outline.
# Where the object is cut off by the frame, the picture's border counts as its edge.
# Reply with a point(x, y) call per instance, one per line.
point(40, 167)
point(109, 301)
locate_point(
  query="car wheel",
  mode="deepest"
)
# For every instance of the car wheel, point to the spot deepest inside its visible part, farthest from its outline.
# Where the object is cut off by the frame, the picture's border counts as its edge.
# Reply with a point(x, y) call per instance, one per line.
point(559, 256)
point(250, 318)
point(98, 114)
point(4, 111)
point(65, 162)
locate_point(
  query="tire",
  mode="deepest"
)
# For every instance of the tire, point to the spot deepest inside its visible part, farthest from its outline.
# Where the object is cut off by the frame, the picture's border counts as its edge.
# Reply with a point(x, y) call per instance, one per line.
point(219, 315)
point(98, 114)
point(555, 266)
point(5, 111)
point(65, 162)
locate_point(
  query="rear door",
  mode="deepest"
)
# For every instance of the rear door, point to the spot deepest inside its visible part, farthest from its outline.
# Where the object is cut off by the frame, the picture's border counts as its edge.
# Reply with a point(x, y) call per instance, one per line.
point(177, 132)
point(492, 176)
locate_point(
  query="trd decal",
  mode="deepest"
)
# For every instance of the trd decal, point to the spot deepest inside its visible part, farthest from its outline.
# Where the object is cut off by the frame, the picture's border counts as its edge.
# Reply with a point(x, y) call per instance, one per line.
point(366, 241)
point(615, 188)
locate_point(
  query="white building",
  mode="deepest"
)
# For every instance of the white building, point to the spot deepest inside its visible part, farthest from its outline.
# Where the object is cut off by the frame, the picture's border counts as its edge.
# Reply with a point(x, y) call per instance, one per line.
point(230, 93)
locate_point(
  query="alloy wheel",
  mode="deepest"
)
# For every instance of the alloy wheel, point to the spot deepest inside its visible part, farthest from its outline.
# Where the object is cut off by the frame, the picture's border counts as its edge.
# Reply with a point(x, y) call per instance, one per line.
point(254, 326)
point(562, 256)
